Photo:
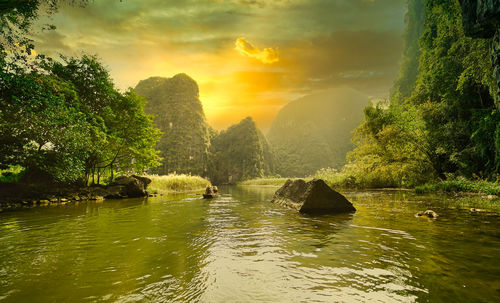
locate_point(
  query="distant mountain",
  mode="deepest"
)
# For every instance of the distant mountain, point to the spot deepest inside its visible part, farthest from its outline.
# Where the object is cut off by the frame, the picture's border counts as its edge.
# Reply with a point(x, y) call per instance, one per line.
point(241, 152)
point(179, 114)
point(315, 131)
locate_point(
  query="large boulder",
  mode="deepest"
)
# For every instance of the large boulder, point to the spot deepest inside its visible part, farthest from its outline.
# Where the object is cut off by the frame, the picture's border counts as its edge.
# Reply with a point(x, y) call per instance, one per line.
point(311, 197)
point(128, 186)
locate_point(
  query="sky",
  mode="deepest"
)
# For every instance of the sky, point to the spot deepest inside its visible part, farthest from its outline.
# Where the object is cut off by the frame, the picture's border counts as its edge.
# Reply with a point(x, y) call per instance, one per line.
point(249, 57)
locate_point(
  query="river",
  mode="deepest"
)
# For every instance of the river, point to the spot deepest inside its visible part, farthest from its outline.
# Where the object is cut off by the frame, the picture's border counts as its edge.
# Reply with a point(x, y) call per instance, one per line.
point(240, 247)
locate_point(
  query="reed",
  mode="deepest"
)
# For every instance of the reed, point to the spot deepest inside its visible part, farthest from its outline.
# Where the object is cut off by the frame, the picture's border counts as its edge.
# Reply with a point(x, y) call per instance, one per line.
point(161, 184)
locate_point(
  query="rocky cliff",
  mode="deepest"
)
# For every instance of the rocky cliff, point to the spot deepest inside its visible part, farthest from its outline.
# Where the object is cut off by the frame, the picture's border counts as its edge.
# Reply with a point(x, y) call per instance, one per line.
point(481, 19)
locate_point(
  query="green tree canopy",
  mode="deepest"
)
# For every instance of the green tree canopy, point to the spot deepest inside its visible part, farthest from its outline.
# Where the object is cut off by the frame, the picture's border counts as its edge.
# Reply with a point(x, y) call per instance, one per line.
point(67, 121)
point(448, 123)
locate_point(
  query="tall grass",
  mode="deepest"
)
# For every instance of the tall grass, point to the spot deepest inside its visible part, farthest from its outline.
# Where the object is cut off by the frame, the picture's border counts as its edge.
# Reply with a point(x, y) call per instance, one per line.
point(175, 183)
point(461, 185)
point(468, 202)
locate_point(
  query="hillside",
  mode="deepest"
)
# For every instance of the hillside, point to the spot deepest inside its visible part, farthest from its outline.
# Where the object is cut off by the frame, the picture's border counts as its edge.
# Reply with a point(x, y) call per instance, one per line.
point(315, 131)
point(179, 114)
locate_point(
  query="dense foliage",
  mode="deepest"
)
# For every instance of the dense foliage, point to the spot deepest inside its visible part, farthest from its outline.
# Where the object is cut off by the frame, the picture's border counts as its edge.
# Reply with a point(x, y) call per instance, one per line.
point(179, 114)
point(239, 153)
point(315, 131)
point(65, 121)
point(448, 123)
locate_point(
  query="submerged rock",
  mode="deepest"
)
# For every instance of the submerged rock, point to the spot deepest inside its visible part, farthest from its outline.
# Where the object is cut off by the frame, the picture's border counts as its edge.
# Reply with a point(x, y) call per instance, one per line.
point(428, 213)
point(311, 197)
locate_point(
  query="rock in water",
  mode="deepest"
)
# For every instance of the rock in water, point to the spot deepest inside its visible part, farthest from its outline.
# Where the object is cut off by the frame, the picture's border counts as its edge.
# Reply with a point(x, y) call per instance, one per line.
point(132, 187)
point(428, 213)
point(311, 197)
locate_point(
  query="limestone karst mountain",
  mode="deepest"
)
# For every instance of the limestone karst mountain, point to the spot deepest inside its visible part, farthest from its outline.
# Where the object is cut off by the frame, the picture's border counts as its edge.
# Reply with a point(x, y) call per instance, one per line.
point(314, 132)
point(241, 152)
point(179, 114)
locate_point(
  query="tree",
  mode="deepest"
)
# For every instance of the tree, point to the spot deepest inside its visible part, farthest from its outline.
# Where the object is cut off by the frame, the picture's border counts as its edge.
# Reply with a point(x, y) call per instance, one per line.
point(446, 123)
point(123, 136)
point(66, 121)
point(41, 124)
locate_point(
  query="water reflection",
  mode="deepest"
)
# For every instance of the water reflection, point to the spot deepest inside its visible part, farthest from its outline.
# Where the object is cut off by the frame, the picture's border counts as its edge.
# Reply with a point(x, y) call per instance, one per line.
point(240, 247)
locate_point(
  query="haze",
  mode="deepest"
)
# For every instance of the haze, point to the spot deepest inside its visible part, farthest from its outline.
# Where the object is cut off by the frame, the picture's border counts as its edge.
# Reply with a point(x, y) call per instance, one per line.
point(250, 58)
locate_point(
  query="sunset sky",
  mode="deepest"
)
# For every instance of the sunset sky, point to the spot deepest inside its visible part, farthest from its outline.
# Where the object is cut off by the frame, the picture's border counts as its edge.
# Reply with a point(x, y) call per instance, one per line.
point(249, 57)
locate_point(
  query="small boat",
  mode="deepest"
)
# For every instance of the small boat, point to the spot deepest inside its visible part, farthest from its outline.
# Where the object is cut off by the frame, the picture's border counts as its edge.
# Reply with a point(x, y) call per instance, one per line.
point(209, 196)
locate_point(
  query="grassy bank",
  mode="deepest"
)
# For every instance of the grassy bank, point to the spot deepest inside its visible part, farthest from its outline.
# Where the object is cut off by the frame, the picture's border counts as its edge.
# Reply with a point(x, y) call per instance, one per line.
point(461, 185)
point(468, 202)
point(175, 183)
point(11, 175)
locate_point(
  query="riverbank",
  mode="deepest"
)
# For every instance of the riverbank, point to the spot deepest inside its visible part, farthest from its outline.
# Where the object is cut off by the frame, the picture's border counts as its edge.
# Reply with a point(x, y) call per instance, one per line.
point(17, 196)
point(467, 194)
point(461, 185)
point(339, 180)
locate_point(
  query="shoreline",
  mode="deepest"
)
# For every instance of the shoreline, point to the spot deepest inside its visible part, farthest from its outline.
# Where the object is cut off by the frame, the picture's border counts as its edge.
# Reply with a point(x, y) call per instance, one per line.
point(473, 201)
point(14, 204)
point(15, 196)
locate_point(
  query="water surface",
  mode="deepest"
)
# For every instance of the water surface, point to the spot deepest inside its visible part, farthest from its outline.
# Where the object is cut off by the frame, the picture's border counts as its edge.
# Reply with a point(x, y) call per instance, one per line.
point(241, 248)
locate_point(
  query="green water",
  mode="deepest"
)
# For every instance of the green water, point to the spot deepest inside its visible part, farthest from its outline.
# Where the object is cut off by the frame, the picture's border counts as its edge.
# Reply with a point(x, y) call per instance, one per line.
point(241, 248)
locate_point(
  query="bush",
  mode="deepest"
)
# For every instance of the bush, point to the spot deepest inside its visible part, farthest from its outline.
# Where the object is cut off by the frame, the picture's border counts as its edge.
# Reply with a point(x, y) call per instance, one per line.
point(12, 174)
point(176, 183)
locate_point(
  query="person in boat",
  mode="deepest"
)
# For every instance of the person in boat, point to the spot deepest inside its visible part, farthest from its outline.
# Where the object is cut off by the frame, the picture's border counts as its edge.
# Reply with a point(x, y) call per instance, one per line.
point(215, 189)
point(209, 190)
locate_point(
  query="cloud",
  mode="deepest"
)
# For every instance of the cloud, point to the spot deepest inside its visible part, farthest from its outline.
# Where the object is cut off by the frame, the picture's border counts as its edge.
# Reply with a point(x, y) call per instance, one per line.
point(322, 44)
point(267, 55)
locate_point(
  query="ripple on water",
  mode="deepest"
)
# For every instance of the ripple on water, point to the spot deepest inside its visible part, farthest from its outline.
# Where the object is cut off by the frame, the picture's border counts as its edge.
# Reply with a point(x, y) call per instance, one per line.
point(241, 248)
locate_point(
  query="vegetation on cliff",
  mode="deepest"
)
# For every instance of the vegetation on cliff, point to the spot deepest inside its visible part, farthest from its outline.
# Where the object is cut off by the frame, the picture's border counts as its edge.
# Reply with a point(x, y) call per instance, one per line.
point(447, 124)
point(179, 114)
point(239, 153)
